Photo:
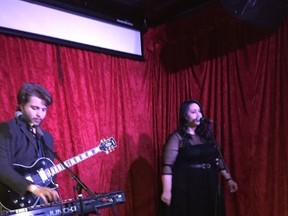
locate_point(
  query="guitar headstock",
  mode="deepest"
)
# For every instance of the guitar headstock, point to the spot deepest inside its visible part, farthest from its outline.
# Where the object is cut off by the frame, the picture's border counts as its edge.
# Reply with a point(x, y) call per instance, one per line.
point(107, 145)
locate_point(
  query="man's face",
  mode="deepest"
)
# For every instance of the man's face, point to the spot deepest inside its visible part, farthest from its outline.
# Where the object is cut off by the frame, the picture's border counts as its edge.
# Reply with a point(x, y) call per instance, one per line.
point(34, 110)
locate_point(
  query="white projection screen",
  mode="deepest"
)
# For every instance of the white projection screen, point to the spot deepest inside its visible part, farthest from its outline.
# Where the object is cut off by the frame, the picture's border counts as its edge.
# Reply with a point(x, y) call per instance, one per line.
point(38, 21)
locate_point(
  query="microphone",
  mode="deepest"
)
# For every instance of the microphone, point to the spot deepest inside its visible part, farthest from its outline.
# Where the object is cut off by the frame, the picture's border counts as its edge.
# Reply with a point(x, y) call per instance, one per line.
point(19, 115)
point(205, 120)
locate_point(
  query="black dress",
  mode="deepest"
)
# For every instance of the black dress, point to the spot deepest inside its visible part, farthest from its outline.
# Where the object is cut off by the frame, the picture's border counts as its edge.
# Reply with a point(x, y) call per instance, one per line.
point(194, 165)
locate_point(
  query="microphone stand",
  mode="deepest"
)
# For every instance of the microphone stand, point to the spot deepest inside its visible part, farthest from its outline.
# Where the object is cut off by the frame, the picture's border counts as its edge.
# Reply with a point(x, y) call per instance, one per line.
point(216, 145)
point(80, 184)
point(218, 208)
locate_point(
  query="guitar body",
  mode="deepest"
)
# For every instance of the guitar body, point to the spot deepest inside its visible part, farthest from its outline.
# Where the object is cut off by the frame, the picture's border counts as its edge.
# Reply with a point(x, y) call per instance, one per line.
point(41, 173)
point(12, 200)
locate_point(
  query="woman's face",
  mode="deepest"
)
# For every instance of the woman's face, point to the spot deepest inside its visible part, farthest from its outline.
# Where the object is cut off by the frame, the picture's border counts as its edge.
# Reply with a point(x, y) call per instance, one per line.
point(194, 115)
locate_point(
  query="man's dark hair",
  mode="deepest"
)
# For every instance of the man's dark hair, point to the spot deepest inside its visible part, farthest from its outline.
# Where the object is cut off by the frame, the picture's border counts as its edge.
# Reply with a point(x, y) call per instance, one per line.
point(32, 89)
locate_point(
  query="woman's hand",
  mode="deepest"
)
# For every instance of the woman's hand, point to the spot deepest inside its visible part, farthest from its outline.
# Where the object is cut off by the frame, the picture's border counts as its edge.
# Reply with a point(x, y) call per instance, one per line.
point(166, 197)
point(233, 185)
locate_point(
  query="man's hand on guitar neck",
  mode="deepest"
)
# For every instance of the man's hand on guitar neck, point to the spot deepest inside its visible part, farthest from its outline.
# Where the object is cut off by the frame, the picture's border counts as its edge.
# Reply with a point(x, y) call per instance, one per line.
point(45, 193)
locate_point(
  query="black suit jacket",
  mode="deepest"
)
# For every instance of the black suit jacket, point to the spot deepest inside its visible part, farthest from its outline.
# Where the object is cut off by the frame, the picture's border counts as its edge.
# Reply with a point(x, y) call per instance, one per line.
point(19, 146)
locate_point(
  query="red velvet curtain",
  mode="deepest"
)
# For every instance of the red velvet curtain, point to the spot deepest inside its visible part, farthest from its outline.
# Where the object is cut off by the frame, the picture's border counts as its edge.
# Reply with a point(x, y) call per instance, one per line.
point(237, 72)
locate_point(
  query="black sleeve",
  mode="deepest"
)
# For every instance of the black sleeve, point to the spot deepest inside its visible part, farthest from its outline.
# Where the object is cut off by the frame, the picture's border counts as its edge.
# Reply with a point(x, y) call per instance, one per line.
point(8, 176)
point(170, 153)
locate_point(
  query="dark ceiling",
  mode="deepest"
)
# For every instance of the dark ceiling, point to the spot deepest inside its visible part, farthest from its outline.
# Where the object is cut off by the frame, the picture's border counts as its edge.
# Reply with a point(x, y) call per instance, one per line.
point(142, 13)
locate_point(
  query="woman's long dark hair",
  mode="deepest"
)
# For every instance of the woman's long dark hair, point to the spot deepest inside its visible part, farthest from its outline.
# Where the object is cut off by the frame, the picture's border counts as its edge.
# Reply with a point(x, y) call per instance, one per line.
point(201, 130)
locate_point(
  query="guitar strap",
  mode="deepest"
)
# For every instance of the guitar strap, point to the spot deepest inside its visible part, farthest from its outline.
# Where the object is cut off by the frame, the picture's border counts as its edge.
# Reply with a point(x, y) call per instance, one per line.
point(40, 147)
point(43, 148)
point(29, 135)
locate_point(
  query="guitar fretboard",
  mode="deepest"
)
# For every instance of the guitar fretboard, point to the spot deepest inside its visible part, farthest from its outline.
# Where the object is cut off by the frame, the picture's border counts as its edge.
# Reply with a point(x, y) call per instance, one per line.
point(51, 171)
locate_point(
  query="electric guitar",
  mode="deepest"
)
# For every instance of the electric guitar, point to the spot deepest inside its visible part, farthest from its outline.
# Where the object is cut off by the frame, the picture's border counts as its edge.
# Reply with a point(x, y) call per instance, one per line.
point(41, 173)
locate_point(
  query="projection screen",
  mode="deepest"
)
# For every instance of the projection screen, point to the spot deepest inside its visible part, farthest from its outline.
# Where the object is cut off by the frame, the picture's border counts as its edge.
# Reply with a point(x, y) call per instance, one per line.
point(38, 21)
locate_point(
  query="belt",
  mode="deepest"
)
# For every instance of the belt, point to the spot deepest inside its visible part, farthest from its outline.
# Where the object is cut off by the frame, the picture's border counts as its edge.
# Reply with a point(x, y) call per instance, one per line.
point(201, 166)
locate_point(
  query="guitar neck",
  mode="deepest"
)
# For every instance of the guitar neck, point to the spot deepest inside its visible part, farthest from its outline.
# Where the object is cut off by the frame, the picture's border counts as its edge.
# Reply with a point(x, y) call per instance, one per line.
point(73, 161)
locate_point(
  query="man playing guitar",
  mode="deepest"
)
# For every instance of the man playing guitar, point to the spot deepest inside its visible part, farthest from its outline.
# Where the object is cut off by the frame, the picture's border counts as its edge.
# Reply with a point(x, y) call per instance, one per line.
point(22, 143)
